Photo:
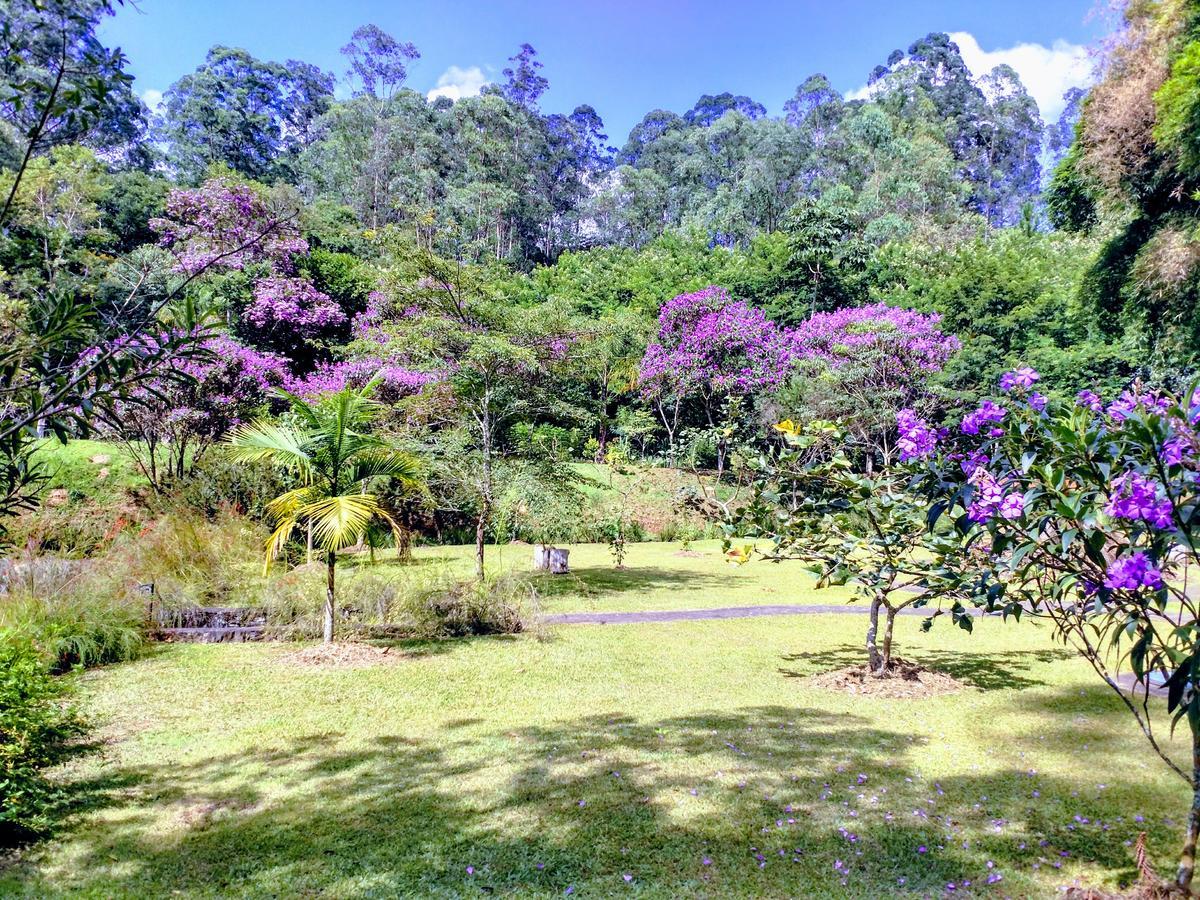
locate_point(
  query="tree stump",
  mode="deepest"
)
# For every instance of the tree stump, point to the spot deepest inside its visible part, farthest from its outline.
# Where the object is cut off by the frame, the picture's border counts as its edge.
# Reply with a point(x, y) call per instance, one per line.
point(558, 561)
point(541, 557)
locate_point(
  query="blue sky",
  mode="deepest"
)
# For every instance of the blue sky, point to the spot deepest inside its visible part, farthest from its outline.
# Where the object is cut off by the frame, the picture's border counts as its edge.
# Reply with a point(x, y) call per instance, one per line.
point(625, 57)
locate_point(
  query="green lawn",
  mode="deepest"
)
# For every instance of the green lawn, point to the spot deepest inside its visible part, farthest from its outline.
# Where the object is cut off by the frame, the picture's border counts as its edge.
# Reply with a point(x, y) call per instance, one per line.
point(641, 760)
point(656, 576)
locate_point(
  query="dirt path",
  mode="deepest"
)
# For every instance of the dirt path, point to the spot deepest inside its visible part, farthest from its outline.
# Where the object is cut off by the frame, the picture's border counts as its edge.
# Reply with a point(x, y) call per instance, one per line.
point(720, 612)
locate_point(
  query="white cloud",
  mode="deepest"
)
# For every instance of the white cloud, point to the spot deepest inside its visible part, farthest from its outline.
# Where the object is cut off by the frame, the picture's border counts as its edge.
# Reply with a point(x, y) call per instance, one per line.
point(457, 83)
point(153, 99)
point(1046, 72)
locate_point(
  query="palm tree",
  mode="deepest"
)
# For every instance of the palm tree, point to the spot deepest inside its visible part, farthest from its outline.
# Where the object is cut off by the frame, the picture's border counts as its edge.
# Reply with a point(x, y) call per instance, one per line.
point(329, 451)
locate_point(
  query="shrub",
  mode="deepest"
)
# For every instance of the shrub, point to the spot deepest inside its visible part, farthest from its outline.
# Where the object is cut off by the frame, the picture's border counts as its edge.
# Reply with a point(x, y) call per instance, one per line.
point(74, 529)
point(402, 602)
point(216, 484)
point(497, 605)
point(37, 730)
point(76, 624)
point(192, 560)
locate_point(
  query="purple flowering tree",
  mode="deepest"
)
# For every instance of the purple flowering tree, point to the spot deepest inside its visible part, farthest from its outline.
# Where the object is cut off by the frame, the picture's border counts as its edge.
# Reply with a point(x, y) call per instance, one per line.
point(224, 224)
point(863, 364)
point(393, 382)
point(168, 423)
point(73, 359)
point(1085, 513)
point(710, 352)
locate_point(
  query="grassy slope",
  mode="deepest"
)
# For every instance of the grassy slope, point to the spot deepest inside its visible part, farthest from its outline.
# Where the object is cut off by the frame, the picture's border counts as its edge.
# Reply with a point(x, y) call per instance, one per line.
point(80, 467)
point(601, 752)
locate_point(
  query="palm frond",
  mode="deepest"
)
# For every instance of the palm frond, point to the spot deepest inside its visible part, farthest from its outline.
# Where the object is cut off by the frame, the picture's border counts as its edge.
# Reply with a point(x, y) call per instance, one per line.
point(339, 522)
point(265, 441)
point(278, 539)
point(384, 462)
point(287, 505)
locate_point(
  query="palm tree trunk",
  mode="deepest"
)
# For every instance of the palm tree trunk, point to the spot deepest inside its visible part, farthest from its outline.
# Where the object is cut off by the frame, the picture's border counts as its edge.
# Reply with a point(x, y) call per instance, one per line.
point(331, 564)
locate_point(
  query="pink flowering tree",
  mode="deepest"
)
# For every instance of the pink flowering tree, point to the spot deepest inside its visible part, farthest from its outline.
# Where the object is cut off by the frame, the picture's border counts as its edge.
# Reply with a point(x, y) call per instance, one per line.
point(168, 423)
point(711, 352)
point(862, 365)
point(1085, 513)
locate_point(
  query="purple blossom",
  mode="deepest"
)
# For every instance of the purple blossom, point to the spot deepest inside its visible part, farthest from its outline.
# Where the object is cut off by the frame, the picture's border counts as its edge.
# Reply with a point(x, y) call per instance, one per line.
point(912, 340)
point(1089, 400)
point(1023, 378)
point(397, 381)
point(225, 225)
point(1012, 506)
point(293, 305)
point(1133, 572)
point(1139, 498)
point(990, 498)
point(1036, 401)
point(709, 342)
point(1173, 451)
point(1130, 402)
point(916, 440)
point(987, 412)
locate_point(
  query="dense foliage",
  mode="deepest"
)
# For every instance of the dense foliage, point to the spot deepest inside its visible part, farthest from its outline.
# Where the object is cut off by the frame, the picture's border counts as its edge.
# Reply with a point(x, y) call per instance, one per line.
point(37, 730)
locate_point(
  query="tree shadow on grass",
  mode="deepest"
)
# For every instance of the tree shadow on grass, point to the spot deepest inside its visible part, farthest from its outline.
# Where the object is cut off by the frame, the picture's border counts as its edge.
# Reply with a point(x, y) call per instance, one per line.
point(770, 800)
point(998, 671)
point(595, 581)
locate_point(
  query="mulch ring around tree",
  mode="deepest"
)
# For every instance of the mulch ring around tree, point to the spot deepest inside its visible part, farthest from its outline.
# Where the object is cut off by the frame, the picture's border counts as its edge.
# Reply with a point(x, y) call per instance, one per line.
point(342, 655)
point(907, 680)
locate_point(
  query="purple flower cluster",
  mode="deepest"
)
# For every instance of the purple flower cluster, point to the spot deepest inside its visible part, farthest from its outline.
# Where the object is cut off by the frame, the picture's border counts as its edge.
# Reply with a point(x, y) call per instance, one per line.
point(1133, 572)
point(1130, 402)
point(332, 377)
point(222, 224)
point(1089, 400)
point(292, 304)
point(707, 340)
point(1137, 497)
point(987, 414)
point(366, 325)
point(990, 499)
point(916, 439)
point(913, 339)
point(1023, 379)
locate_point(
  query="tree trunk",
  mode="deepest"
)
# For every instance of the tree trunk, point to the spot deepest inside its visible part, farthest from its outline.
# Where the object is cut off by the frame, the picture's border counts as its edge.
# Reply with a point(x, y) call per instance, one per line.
point(331, 564)
point(1187, 860)
point(479, 530)
point(888, 625)
point(874, 657)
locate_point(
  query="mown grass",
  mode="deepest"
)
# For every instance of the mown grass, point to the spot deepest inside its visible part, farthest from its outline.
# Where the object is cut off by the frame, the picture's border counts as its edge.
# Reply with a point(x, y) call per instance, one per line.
point(648, 760)
point(657, 576)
